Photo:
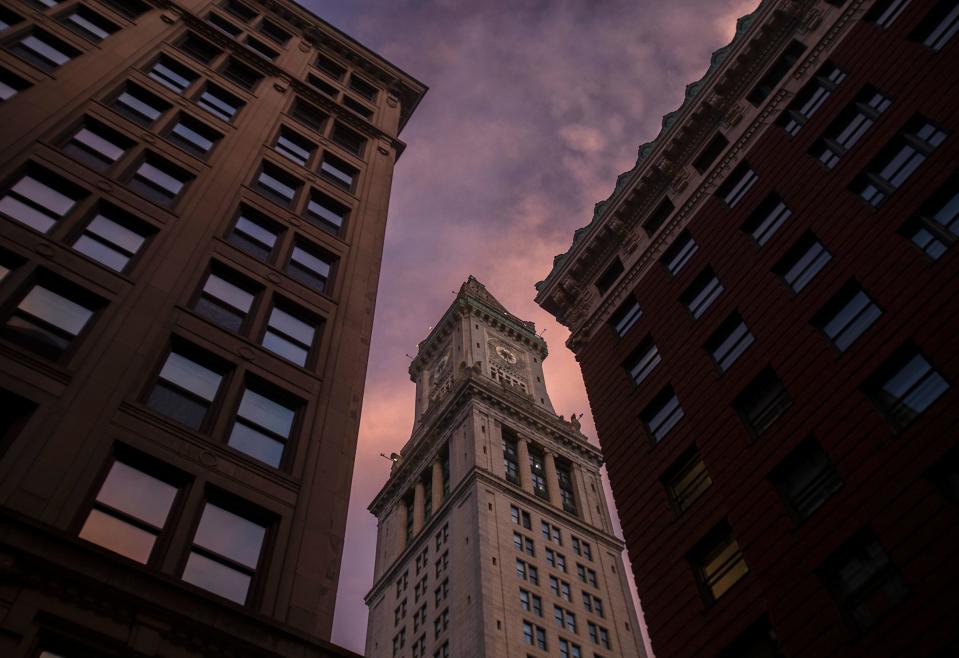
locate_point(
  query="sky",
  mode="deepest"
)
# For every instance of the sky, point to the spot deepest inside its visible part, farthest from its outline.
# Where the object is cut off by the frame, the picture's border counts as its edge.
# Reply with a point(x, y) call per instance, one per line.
point(534, 108)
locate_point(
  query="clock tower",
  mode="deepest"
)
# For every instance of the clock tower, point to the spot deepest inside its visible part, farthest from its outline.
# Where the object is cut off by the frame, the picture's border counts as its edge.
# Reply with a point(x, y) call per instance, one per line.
point(494, 536)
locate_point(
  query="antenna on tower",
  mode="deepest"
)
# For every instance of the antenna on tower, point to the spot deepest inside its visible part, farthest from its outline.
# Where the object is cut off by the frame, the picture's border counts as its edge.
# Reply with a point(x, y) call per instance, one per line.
point(393, 458)
point(543, 331)
point(408, 357)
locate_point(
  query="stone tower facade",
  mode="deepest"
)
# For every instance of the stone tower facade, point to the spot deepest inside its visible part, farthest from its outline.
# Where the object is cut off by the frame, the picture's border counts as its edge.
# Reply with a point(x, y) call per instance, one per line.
point(494, 536)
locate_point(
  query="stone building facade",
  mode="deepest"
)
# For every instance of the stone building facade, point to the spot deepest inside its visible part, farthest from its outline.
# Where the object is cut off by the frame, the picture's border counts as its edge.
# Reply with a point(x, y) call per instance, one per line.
point(494, 536)
point(193, 200)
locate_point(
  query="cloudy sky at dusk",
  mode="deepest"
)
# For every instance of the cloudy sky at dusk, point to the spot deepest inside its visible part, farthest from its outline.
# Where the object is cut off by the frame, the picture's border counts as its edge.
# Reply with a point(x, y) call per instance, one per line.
point(534, 108)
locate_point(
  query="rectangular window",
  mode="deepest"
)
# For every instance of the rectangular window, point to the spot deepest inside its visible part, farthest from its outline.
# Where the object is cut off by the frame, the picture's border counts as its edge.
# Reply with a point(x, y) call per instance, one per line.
point(338, 171)
point(225, 298)
point(322, 86)
point(708, 155)
point(363, 88)
point(662, 414)
point(326, 212)
point(564, 477)
point(686, 480)
point(264, 425)
point(810, 98)
point(776, 72)
point(89, 24)
point(718, 562)
point(225, 553)
point(132, 9)
point(130, 512)
point(113, 238)
point(849, 127)
point(329, 67)
point(8, 18)
point(937, 226)
point(241, 74)
point(139, 105)
point(350, 140)
point(193, 135)
point(219, 102)
point(847, 316)
point(96, 144)
point(939, 25)
point(358, 108)
point(40, 199)
point(762, 401)
point(736, 185)
point(43, 50)
point(240, 10)
point(11, 85)
point(198, 48)
point(609, 276)
point(884, 12)
point(171, 74)
point(658, 217)
point(679, 253)
point(261, 49)
point(186, 387)
point(278, 185)
point(758, 641)
point(510, 460)
point(895, 163)
point(802, 262)
point(766, 219)
point(291, 332)
point(642, 361)
point(223, 25)
point(863, 581)
point(274, 32)
point(159, 180)
point(905, 386)
point(310, 266)
point(537, 470)
point(702, 293)
point(626, 316)
point(309, 115)
point(255, 233)
point(50, 316)
point(805, 479)
point(294, 147)
point(729, 341)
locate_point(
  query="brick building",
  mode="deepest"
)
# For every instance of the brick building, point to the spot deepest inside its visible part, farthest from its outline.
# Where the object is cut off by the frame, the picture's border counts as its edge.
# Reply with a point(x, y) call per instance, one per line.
point(193, 200)
point(765, 315)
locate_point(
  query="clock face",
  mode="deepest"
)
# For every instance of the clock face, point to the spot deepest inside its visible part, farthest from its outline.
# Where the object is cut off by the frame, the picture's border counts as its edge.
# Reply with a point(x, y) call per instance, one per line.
point(506, 354)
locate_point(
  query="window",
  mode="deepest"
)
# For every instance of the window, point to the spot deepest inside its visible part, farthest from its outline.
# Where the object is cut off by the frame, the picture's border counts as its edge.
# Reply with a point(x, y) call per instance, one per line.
point(718, 562)
point(112, 238)
point(642, 361)
point(357, 108)
point(884, 12)
point(805, 479)
point(739, 182)
point(322, 86)
point(223, 25)
point(277, 185)
point(139, 105)
point(89, 24)
point(802, 262)
point(17, 412)
point(294, 147)
point(586, 575)
point(863, 581)
point(776, 72)
point(350, 140)
point(552, 533)
point(130, 8)
point(193, 135)
point(310, 266)
point(686, 480)
point(937, 226)
point(261, 48)
point(50, 316)
point(849, 127)
point(338, 172)
point(326, 212)
point(658, 217)
point(679, 253)
point(329, 67)
point(847, 316)
point(758, 641)
point(225, 298)
point(186, 386)
point(290, 332)
point(96, 144)
point(534, 635)
point(626, 316)
point(8, 18)
point(530, 602)
point(159, 180)
point(709, 154)
point(564, 618)
point(564, 477)
point(171, 74)
point(198, 48)
point(11, 85)
point(309, 115)
point(225, 553)
point(762, 401)
point(274, 32)
point(129, 512)
point(662, 414)
point(240, 10)
point(609, 276)
point(218, 102)
point(520, 517)
point(766, 219)
point(40, 199)
point(894, 164)
point(241, 74)
point(702, 293)
point(905, 386)
point(729, 341)
point(939, 25)
point(810, 98)
point(538, 472)
point(263, 425)
point(510, 460)
point(43, 50)
point(363, 88)
point(255, 233)
point(569, 650)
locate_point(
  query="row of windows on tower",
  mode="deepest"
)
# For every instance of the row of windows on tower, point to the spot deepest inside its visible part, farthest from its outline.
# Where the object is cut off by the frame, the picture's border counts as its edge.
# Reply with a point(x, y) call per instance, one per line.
point(537, 471)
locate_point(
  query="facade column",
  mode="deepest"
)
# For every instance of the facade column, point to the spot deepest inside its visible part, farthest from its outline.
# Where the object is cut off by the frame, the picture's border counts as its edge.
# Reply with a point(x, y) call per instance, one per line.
point(522, 457)
point(437, 484)
point(552, 480)
point(401, 512)
point(419, 506)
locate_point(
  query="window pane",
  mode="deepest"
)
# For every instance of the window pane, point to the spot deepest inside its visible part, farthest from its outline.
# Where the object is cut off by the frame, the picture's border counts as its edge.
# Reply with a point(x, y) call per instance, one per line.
point(292, 326)
point(230, 535)
point(191, 376)
point(217, 578)
point(160, 178)
point(56, 309)
point(266, 413)
point(118, 536)
point(256, 443)
point(285, 348)
point(226, 292)
point(140, 495)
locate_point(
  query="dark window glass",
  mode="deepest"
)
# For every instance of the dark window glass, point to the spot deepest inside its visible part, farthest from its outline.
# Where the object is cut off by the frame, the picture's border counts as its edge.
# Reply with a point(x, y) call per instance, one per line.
point(811, 97)
point(537, 468)
point(43, 50)
point(223, 25)
point(199, 49)
point(806, 479)
point(324, 87)
point(739, 182)
point(847, 316)
point(718, 562)
point(662, 414)
point(762, 401)
point(939, 25)
point(241, 74)
point(225, 299)
point(350, 140)
point(759, 641)
point(510, 460)
point(937, 226)
point(363, 88)
point(326, 212)
point(8, 18)
point(729, 341)
point(50, 316)
point(186, 387)
point(686, 480)
point(112, 237)
point(274, 32)
point(709, 154)
point(97, 145)
point(193, 135)
point(291, 332)
point(895, 163)
point(240, 10)
point(905, 386)
point(159, 180)
point(171, 74)
point(17, 412)
point(329, 67)
point(278, 185)
point(358, 108)
point(261, 48)
point(40, 199)
point(642, 361)
point(225, 553)
point(255, 233)
point(626, 316)
point(219, 103)
point(140, 105)
point(310, 265)
point(679, 253)
point(130, 8)
point(609, 276)
point(11, 85)
point(802, 262)
point(849, 127)
point(702, 293)
point(309, 115)
point(263, 426)
point(338, 172)
point(564, 476)
point(658, 217)
point(89, 24)
point(296, 148)
point(767, 218)
point(884, 12)
point(776, 72)
point(45, 4)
